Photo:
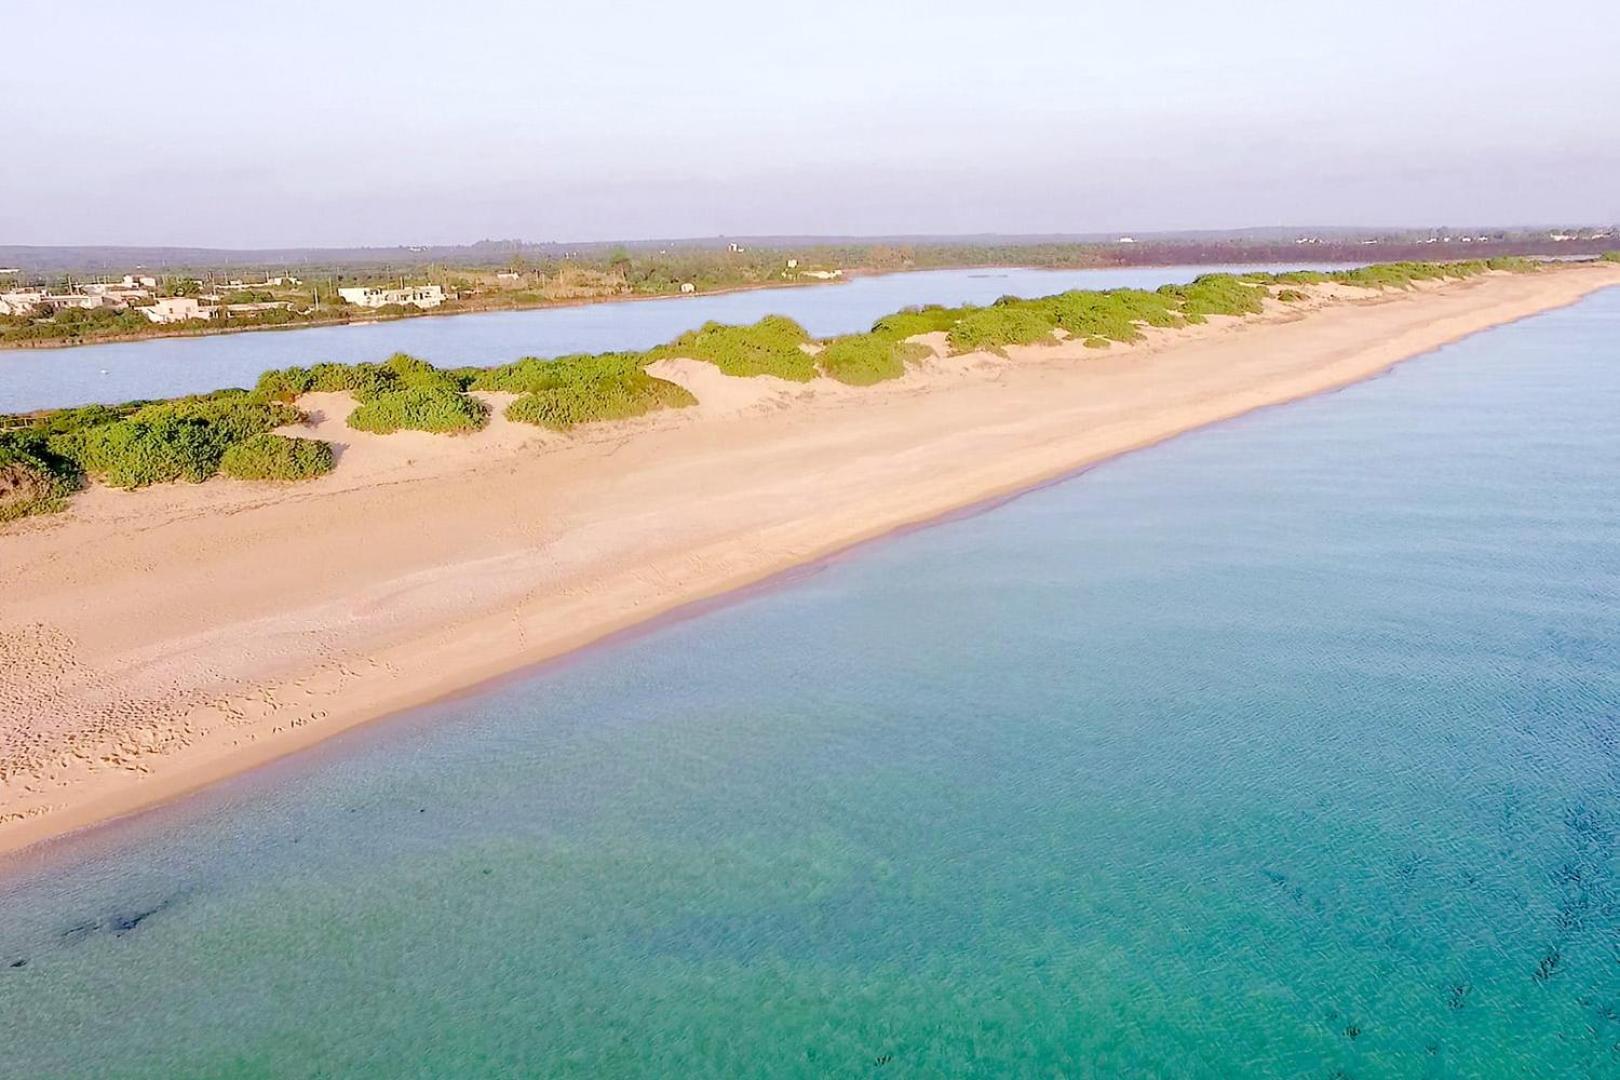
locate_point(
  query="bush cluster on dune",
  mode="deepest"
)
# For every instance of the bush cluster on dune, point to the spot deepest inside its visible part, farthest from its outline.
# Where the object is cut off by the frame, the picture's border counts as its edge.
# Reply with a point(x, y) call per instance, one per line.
point(866, 359)
point(768, 347)
point(267, 456)
point(33, 480)
point(440, 412)
point(571, 390)
point(131, 446)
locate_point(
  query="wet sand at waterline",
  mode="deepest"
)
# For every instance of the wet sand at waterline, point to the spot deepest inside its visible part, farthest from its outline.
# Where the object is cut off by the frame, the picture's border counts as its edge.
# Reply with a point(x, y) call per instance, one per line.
point(155, 641)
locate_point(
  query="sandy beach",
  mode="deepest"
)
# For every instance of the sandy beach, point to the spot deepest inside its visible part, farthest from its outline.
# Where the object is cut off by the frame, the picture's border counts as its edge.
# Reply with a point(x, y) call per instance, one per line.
point(156, 641)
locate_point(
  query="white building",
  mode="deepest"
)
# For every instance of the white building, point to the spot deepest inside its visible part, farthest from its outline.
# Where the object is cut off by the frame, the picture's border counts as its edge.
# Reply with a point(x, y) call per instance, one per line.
point(81, 300)
point(21, 301)
point(422, 296)
point(688, 287)
point(173, 309)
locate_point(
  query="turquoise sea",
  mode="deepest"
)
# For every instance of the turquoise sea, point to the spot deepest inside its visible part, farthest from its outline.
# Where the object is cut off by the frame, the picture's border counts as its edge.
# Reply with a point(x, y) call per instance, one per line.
point(1289, 748)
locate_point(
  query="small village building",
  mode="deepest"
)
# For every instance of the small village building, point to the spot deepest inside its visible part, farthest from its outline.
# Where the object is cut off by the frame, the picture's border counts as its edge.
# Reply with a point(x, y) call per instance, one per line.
point(173, 309)
point(422, 296)
point(21, 301)
point(688, 287)
point(88, 301)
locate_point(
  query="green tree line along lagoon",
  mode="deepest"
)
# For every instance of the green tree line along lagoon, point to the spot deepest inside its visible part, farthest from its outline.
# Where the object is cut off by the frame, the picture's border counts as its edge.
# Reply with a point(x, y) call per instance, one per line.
point(45, 457)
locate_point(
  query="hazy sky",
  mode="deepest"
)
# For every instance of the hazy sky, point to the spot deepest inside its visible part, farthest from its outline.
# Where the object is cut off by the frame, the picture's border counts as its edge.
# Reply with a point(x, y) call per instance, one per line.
point(434, 122)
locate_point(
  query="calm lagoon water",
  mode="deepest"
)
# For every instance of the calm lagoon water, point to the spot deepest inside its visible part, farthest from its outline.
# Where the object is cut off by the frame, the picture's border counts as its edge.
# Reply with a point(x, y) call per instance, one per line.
point(1290, 748)
point(50, 378)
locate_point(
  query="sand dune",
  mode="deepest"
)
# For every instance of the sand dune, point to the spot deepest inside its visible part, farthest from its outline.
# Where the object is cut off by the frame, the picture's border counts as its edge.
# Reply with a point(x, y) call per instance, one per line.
point(154, 641)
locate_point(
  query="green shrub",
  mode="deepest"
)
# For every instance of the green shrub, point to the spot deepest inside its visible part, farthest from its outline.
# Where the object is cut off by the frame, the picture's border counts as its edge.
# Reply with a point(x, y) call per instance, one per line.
point(63, 421)
point(582, 389)
point(133, 454)
point(276, 457)
point(1216, 294)
point(1299, 277)
point(992, 329)
point(912, 321)
point(769, 347)
point(1610, 256)
point(864, 359)
point(365, 381)
point(284, 384)
point(1113, 314)
point(1290, 296)
point(143, 443)
point(533, 373)
point(233, 414)
point(1096, 343)
point(418, 409)
point(1401, 275)
point(32, 479)
point(406, 372)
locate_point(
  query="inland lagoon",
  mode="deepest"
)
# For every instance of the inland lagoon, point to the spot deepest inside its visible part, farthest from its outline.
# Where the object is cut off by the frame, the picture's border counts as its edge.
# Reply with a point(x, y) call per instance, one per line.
point(1290, 747)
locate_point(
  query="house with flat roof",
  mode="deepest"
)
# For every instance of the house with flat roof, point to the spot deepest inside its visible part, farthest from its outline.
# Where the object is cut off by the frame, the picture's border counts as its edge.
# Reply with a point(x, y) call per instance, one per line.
point(173, 309)
point(21, 301)
point(422, 296)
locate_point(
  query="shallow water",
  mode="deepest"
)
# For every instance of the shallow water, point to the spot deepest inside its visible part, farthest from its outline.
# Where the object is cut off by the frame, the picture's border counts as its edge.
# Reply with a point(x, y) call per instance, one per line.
point(1288, 748)
point(166, 367)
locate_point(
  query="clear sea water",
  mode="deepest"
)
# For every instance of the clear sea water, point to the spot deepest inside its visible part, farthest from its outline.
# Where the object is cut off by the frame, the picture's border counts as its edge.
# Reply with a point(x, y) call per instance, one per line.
point(1289, 748)
point(167, 367)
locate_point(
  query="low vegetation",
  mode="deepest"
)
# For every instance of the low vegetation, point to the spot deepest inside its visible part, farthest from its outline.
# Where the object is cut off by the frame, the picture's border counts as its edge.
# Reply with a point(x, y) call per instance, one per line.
point(364, 381)
point(993, 328)
point(134, 445)
point(912, 321)
point(865, 359)
point(771, 346)
point(571, 390)
point(276, 457)
point(419, 408)
point(1397, 275)
point(46, 456)
point(33, 480)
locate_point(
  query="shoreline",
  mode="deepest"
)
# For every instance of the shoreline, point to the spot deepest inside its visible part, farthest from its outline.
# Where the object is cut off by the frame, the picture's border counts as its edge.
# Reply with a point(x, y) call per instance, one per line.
point(618, 530)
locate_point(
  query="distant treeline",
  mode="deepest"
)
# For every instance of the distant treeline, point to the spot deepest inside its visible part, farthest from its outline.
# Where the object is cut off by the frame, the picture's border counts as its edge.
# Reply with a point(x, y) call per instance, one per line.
point(529, 277)
point(46, 456)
